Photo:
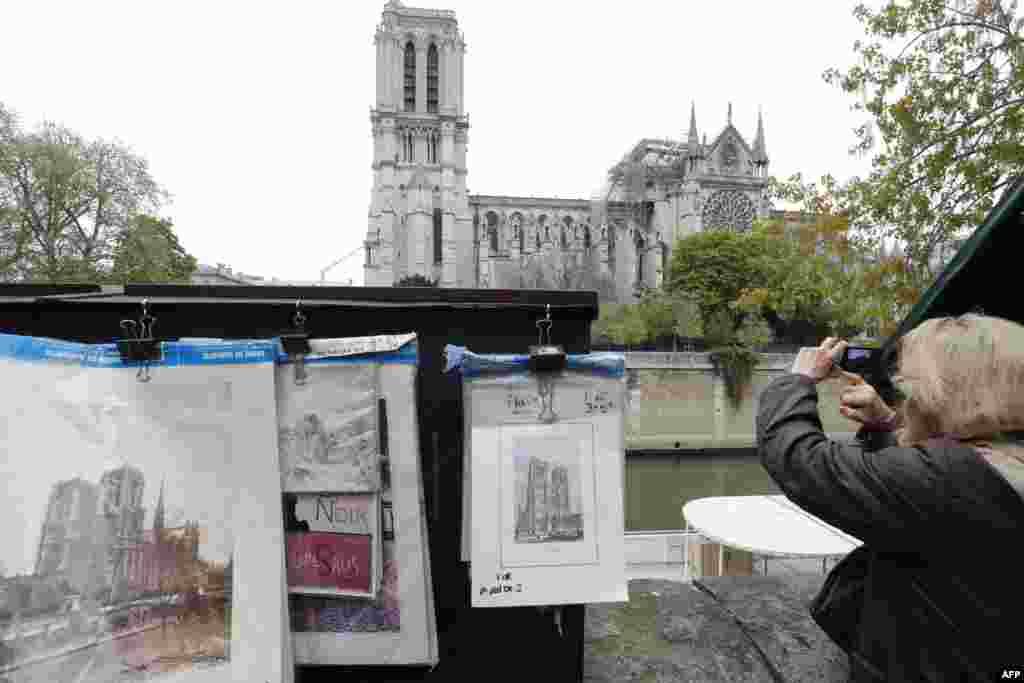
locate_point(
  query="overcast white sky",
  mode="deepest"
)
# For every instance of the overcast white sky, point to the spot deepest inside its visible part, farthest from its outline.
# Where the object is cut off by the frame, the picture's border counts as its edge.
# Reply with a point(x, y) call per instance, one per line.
point(255, 115)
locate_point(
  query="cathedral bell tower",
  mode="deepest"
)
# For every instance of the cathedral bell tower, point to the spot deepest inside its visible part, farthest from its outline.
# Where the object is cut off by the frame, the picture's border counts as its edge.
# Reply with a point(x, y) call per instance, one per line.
point(419, 219)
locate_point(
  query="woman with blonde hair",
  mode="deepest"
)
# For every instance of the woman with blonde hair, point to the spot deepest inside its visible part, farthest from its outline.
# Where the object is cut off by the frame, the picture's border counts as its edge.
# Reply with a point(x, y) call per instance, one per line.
point(937, 499)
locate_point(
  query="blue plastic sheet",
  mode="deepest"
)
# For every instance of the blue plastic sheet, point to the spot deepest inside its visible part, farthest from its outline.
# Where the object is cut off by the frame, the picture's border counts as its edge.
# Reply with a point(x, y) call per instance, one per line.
point(472, 364)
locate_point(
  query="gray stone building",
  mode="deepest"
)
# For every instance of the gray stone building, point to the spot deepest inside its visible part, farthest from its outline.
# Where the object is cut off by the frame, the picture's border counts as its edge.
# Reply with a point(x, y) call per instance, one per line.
point(422, 221)
point(66, 542)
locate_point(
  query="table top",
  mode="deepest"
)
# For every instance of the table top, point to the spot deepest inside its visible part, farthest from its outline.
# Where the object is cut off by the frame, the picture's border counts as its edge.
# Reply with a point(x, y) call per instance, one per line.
point(766, 525)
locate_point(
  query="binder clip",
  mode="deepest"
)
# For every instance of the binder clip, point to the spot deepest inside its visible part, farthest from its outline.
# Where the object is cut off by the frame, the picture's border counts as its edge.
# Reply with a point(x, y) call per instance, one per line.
point(295, 343)
point(545, 356)
point(139, 345)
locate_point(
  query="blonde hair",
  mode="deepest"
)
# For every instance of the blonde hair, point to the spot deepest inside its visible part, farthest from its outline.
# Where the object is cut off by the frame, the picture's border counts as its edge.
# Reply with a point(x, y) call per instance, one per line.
point(962, 377)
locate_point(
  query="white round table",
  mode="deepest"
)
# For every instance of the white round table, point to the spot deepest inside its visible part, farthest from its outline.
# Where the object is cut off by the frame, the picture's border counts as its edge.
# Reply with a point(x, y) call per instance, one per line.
point(770, 526)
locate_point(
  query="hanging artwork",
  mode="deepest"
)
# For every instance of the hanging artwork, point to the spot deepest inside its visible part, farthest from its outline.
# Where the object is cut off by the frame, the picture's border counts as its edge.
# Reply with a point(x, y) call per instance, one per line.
point(358, 508)
point(543, 485)
point(328, 431)
point(138, 542)
point(336, 549)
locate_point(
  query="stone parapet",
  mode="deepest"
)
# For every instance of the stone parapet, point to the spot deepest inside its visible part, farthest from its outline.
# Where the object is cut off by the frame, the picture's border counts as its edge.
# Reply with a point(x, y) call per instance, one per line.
point(733, 629)
point(689, 360)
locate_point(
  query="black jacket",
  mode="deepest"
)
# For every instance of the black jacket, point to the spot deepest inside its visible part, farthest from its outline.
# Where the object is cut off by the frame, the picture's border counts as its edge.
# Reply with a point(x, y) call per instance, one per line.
point(942, 533)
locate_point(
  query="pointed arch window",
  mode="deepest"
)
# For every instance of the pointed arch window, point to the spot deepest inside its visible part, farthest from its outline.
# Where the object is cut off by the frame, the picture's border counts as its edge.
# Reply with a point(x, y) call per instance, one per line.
point(437, 236)
point(404, 136)
point(492, 231)
point(586, 236)
point(432, 79)
point(516, 221)
point(410, 77)
point(663, 268)
point(640, 249)
point(433, 142)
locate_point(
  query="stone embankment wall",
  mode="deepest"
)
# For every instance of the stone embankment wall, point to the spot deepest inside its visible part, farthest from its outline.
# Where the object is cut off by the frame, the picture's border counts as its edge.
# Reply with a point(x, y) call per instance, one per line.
point(678, 401)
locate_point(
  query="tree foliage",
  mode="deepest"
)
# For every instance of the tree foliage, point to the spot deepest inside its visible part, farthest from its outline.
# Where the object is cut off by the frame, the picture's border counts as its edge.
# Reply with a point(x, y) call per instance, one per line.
point(715, 267)
point(834, 272)
point(686, 315)
point(65, 202)
point(943, 84)
point(148, 250)
point(621, 324)
point(800, 276)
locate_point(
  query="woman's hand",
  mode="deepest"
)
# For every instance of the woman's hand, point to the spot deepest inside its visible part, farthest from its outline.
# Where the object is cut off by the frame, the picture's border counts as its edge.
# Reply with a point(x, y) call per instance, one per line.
point(861, 403)
point(821, 362)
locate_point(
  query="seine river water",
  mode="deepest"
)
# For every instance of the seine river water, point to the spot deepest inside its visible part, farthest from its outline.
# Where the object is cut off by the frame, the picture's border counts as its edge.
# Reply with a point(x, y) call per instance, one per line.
point(658, 486)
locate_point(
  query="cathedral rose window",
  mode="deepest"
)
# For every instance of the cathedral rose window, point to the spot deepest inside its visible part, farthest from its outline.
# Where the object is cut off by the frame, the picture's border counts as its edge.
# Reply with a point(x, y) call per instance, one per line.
point(728, 209)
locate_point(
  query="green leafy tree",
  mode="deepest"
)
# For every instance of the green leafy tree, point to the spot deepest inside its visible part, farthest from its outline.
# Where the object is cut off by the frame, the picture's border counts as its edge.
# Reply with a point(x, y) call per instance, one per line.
point(64, 200)
point(656, 308)
point(834, 272)
point(600, 329)
point(720, 328)
point(754, 332)
point(686, 316)
point(621, 324)
point(630, 329)
point(942, 85)
point(714, 268)
point(148, 250)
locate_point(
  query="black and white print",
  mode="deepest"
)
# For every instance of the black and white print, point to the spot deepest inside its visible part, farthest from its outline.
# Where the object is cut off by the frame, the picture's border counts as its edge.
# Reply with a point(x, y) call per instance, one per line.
point(548, 501)
point(328, 431)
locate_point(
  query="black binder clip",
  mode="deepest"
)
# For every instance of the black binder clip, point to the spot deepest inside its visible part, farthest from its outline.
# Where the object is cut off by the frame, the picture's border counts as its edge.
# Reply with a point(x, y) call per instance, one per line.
point(545, 356)
point(140, 346)
point(295, 343)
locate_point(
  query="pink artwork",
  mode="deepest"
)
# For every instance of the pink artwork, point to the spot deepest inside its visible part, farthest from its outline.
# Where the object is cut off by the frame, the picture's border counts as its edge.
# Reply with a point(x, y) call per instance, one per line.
point(312, 614)
point(329, 561)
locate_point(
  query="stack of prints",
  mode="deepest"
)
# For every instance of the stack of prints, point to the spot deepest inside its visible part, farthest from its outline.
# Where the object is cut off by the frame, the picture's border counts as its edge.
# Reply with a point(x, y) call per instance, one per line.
point(357, 563)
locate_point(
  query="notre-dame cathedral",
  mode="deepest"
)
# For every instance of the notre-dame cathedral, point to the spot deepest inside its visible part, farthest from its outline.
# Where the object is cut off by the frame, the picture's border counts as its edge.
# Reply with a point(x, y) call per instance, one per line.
point(423, 222)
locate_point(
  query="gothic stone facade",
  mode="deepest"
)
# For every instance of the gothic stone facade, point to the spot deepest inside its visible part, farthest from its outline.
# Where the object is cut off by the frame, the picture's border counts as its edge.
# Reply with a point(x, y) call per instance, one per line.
point(423, 222)
point(92, 537)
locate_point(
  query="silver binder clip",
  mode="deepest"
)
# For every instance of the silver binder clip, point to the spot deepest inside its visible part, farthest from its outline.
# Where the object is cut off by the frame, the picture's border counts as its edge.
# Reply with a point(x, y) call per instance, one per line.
point(295, 343)
point(545, 356)
point(140, 346)
point(546, 360)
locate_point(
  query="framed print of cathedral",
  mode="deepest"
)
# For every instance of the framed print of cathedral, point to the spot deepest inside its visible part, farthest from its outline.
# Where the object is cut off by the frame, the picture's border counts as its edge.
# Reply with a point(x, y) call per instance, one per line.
point(543, 520)
point(423, 222)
